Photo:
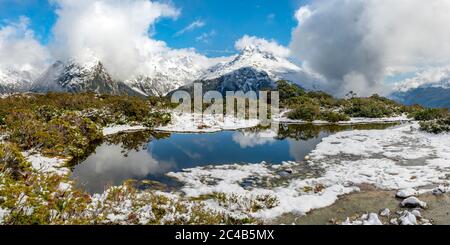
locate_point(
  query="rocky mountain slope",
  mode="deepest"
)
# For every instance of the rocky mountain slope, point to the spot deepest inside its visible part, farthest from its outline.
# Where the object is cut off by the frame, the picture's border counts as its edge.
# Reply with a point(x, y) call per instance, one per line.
point(73, 77)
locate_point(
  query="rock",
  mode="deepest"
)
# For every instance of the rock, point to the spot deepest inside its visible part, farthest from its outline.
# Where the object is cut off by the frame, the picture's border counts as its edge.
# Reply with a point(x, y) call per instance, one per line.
point(413, 202)
point(385, 213)
point(394, 221)
point(405, 193)
point(248, 183)
point(417, 213)
point(284, 173)
point(426, 222)
point(289, 171)
point(348, 222)
point(372, 219)
point(408, 219)
point(366, 219)
point(307, 158)
point(440, 190)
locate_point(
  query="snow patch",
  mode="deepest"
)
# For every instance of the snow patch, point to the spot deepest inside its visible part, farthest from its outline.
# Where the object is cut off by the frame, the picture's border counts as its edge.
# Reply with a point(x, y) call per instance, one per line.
point(3, 214)
point(366, 219)
point(282, 118)
point(197, 123)
point(47, 165)
point(405, 193)
point(115, 129)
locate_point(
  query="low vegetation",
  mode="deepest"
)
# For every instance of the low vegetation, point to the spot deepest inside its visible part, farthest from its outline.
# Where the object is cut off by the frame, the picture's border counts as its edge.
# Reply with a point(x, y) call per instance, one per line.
point(29, 197)
point(311, 106)
point(67, 124)
point(434, 121)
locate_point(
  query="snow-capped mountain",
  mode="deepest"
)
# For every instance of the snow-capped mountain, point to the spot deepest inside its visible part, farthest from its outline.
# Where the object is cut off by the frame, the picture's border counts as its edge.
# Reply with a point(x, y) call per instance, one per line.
point(252, 69)
point(430, 88)
point(12, 81)
point(277, 68)
point(165, 75)
point(74, 77)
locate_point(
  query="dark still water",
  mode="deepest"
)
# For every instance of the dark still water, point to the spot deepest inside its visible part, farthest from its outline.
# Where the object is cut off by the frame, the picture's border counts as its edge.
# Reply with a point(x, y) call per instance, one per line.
point(149, 155)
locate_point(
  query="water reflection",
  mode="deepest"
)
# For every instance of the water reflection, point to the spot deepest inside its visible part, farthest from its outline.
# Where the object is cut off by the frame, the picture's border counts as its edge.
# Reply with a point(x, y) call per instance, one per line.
point(110, 166)
point(150, 155)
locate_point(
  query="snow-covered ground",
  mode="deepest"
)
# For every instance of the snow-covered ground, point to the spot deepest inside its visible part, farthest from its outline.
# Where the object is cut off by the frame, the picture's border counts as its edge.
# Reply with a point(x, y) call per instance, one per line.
point(354, 120)
point(196, 123)
point(296, 195)
point(47, 165)
point(115, 129)
point(395, 158)
point(190, 123)
point(390, 159)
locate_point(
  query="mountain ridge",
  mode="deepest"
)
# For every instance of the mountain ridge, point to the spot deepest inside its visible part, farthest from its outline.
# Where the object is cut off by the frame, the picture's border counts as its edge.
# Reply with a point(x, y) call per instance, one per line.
point(252, 68)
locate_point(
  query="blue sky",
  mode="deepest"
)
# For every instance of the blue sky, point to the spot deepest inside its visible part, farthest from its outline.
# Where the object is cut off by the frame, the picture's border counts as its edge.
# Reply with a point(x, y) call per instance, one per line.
point(222, 22)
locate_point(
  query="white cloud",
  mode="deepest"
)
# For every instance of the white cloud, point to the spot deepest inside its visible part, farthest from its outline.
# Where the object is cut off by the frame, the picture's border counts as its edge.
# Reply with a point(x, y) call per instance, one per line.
point(204, 37)
point(194, 25)
point(250, 140)
point(355, 43)
point(270, 46)
point(434, 77)
point(117, 32)
point(19, 49)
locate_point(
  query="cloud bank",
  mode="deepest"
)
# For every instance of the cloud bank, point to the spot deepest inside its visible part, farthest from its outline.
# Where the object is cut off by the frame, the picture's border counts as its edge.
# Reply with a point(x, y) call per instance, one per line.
point(19, 49)
point(434, 77)
point(355, 43)
point(117, 32)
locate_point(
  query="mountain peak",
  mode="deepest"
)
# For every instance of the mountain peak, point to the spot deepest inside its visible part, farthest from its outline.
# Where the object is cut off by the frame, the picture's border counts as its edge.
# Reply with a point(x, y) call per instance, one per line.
point(254, 50)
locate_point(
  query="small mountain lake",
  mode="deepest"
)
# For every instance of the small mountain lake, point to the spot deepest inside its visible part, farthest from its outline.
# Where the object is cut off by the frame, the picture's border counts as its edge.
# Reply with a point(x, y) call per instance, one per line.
point(147, 156)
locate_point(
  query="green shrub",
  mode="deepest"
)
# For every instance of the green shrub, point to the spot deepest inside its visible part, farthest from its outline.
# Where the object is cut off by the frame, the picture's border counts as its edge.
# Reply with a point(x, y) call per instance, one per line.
point(436, 126)
point(372, 107)
point(334, 117)
point(134, 108)
point(69, 135)
point(431, 114)
point(288, 90)
point(24, 128)
point(12, 161)
point(67, 124)
point(307, 112)
point(323, 99)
